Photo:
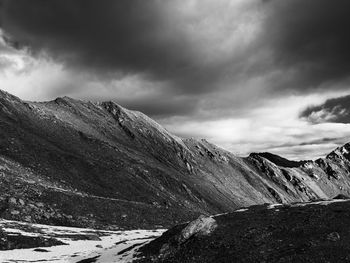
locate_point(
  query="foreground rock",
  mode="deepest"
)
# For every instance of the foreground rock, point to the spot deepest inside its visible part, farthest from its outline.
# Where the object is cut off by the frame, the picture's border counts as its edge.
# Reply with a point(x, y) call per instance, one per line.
point(200, 227)
point(9, 241)
point(305, 232)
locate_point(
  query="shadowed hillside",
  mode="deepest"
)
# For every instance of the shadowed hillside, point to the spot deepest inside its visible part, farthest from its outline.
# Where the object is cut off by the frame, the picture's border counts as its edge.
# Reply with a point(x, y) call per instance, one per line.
point(77, 163)
point(304, 232)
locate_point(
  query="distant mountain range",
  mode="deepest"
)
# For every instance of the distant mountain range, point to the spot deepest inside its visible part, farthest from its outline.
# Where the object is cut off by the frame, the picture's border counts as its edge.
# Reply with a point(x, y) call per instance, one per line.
point(75, 163)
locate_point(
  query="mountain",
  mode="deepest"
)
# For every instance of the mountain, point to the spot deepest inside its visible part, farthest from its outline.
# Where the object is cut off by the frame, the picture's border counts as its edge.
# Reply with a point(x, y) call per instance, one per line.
point(303, 232)
point(75, 163)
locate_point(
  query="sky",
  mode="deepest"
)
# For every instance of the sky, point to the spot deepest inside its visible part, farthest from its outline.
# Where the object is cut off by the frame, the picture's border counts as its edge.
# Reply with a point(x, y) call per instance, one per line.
point(247, 75)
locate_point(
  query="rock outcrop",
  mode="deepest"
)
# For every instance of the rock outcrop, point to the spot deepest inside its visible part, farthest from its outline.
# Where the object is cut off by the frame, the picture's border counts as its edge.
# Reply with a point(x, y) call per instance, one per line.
point(202, 226)
point(302, 232)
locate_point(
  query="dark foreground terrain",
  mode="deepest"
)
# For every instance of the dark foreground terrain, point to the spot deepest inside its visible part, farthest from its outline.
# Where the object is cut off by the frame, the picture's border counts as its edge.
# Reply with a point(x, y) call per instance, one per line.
point(300, 232)
point(304, 232)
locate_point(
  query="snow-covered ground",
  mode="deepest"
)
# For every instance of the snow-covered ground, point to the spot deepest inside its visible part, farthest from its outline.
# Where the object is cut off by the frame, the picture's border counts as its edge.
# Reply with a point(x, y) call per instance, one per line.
point(82, 244)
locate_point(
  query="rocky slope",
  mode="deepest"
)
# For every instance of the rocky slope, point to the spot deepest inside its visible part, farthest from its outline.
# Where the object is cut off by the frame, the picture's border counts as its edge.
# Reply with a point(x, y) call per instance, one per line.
point(76, 163)
point(304, 232)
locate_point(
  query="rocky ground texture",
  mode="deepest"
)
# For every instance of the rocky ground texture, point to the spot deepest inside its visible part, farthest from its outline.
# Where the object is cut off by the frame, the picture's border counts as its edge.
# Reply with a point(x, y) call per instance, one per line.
point(303, 232)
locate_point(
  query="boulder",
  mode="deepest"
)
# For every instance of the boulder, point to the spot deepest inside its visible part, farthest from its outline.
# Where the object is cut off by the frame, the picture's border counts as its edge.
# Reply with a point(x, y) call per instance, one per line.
point(202, 226)
point(15, 212)
point(334, 236)
point(12, 200)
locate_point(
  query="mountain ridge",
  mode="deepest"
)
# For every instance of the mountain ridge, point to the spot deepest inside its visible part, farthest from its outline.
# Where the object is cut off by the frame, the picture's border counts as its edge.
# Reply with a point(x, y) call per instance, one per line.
point(101, 165)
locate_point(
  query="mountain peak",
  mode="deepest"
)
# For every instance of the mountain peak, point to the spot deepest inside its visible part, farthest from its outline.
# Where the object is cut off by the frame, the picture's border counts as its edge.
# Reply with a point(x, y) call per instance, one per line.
point(8, 96)
point(98, 163)
point(278, 160)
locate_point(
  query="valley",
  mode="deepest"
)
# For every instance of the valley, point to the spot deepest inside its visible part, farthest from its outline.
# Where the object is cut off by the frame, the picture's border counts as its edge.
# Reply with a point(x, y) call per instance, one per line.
point(72, 163)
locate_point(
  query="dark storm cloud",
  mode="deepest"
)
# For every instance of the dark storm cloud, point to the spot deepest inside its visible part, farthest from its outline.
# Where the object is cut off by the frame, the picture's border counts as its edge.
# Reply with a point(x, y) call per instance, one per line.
point(108, 37)
point(307, 39)
point(294, 46)
point(225, 69)
point(161, 106)
point(310, 38)
point(321, 141)
point(311, 142)
point(335, 110)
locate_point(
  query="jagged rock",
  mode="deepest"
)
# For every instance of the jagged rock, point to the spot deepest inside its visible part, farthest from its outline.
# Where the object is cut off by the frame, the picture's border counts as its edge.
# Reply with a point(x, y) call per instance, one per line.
point(32, 206)
point(46, 215)
point(341, 196)
point(12, 201)
point(200, 227)
point(275, 195)
point(18, 241)
point(15, 212)
point(334, 236)
point(27, 219)
point(189, 167)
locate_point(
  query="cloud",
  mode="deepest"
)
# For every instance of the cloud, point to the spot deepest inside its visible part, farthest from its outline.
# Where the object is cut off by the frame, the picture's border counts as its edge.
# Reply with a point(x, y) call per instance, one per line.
point(335, 110)
point(184, 44)
point(181, 48)
point(274, 127)
point(195, 47)
point(309, 38)
point(237, 72)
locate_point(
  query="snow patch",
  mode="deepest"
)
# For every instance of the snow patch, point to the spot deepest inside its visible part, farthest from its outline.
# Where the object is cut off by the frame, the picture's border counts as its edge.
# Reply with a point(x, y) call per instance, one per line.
point(308, 165)
point(109, 246)
point(241, 210)
point(327, 202)
point(273, 206)
point(344, 150)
